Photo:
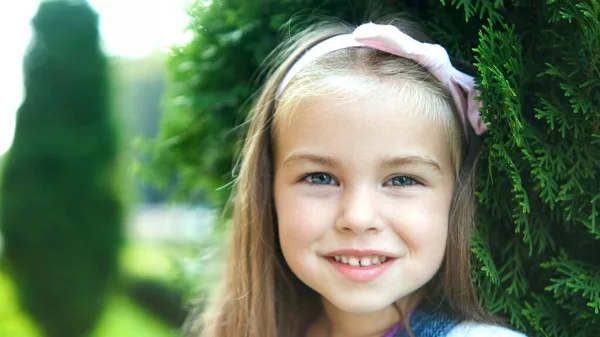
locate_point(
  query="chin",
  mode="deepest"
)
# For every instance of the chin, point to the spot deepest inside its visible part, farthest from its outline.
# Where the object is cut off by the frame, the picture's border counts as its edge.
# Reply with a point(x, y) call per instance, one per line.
point(359, 304)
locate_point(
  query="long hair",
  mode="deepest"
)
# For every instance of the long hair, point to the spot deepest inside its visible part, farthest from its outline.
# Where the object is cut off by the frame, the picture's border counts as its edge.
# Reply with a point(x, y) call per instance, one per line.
point(259, 296)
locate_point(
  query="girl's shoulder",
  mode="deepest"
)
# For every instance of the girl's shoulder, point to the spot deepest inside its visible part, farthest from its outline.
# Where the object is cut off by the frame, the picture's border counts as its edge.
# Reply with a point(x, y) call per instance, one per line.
point(471, 329)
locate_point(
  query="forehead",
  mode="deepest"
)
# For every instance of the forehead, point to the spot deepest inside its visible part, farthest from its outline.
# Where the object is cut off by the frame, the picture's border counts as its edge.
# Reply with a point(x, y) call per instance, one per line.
point(361, 129)
point(405, 94)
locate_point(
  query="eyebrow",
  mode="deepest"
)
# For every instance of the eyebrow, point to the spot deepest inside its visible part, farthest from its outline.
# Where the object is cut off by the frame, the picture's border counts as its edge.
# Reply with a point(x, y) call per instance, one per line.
point(310, 157)
point(387, 163)
point(405, 160)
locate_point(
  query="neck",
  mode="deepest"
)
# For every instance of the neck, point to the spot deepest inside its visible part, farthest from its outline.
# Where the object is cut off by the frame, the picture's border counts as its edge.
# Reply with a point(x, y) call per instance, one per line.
point(337, 323)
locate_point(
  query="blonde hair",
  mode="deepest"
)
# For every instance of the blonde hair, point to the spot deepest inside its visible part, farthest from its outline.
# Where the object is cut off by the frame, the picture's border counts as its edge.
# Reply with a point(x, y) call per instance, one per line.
point(259, 295)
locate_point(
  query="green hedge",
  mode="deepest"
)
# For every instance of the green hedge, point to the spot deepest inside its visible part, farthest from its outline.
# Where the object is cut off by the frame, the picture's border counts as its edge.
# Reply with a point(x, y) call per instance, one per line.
point(538, 236)
point(61, 213)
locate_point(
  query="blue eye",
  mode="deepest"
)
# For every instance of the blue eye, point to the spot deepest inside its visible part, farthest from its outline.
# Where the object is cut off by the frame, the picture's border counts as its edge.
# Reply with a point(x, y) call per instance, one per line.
point(402, 181)
point(319, 179)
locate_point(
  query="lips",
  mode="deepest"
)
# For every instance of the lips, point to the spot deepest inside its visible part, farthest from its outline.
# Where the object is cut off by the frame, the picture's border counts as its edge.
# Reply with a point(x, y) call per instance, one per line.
point(360, 253)
point(360, 261)
point(361, 265)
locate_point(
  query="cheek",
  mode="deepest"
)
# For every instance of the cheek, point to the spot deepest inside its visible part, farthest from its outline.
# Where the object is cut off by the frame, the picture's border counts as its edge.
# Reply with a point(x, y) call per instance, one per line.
point(423, 225)
point(302, 220)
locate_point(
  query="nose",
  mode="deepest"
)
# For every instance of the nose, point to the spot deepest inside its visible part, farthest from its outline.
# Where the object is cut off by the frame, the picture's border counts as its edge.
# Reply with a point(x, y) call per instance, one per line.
point(358, 211)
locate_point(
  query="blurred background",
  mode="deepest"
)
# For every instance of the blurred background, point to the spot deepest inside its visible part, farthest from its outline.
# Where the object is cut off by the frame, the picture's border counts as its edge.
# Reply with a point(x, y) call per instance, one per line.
point(87, 80)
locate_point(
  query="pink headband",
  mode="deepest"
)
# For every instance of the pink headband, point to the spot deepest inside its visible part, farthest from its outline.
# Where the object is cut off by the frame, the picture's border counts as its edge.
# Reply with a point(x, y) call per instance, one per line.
point(389, 39)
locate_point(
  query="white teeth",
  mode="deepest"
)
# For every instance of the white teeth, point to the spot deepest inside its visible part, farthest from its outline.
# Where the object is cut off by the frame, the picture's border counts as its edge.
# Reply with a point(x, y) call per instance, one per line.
point(364, 261)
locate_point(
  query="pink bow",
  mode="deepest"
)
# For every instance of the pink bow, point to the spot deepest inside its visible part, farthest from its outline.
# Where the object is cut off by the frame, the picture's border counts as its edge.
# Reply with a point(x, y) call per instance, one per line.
point(432, 57)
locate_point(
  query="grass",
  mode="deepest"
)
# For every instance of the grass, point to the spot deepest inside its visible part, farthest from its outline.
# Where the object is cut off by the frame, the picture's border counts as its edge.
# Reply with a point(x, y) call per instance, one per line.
point(148, 260)
point(121, 318)
point(125, 319)
point(12, 321)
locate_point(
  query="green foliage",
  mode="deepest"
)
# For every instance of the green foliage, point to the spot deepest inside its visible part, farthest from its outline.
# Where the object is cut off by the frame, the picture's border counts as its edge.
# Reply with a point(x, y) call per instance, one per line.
point(541, 187)
point(538, 62)
point(60, 215)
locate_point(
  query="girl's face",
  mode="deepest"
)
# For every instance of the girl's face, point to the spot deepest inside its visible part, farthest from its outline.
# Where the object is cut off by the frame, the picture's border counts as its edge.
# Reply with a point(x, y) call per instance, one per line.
point(362, 193)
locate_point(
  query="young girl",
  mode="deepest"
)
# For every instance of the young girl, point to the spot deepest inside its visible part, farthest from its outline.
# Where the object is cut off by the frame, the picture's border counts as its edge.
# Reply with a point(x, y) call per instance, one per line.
point(354, 201)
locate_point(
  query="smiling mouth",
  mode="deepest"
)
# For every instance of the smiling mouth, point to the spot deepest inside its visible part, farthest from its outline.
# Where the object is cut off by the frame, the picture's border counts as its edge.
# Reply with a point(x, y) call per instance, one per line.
point(362, 270)
point(364, 261)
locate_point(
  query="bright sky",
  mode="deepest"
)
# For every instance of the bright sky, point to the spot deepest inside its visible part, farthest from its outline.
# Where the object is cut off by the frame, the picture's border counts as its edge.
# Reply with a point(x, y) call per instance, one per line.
point(128, 27)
